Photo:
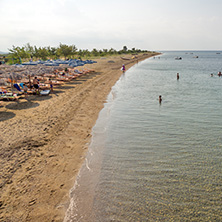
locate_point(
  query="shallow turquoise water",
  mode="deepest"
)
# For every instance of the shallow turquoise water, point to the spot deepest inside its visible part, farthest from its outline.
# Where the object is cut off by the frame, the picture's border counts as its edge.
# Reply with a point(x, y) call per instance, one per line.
point(151, 161)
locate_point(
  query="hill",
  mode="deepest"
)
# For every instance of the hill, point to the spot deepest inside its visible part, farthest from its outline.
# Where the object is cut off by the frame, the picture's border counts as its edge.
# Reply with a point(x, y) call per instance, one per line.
point(3, 52)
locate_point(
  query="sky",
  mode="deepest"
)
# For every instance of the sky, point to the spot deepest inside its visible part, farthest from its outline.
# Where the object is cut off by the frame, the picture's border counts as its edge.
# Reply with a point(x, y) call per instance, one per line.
point(142, 24)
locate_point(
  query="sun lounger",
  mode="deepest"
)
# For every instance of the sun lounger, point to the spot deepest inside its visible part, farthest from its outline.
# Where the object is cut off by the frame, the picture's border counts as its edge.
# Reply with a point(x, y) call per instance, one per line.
point(9, 97)
point(63, 79)
point(44, 92)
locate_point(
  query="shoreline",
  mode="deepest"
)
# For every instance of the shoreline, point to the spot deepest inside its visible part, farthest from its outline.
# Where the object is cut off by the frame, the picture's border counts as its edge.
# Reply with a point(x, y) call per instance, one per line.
point(45, 139)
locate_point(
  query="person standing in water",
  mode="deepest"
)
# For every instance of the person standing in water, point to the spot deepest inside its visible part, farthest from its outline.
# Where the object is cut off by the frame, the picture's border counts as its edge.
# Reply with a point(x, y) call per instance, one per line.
point(160, 99)
point(178, 76)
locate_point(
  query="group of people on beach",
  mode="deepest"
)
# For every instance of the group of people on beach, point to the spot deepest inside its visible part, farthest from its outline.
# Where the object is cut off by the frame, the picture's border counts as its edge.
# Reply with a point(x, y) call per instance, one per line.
point(16, 82)
point(35, 82)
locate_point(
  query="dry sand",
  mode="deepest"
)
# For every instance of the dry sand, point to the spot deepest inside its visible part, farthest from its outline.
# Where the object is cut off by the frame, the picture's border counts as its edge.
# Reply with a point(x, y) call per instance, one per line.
point(43, 142)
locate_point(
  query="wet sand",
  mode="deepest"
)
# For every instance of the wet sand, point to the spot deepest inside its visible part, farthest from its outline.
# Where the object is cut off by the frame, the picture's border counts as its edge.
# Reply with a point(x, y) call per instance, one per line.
point(44, 139)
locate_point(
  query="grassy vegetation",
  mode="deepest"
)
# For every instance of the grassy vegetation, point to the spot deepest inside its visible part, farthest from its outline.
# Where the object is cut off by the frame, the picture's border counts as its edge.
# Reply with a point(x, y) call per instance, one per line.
point(20, 54)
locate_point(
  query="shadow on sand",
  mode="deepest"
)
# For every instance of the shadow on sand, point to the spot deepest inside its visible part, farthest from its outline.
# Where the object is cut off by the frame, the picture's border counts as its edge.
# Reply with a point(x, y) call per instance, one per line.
point(6, 115)
point(76, 82)
point(65, 87)
point(39, 98)
point(18, 105)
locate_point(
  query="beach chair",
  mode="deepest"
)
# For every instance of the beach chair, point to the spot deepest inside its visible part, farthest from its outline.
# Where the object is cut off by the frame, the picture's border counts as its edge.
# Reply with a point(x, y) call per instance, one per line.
point(17, 87)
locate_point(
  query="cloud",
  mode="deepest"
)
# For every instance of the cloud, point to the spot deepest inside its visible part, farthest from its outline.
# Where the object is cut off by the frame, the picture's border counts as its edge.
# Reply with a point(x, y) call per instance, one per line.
point(148, 23)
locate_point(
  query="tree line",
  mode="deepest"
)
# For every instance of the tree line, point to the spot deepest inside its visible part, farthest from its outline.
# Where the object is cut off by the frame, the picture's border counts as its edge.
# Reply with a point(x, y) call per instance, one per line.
point(27, 52)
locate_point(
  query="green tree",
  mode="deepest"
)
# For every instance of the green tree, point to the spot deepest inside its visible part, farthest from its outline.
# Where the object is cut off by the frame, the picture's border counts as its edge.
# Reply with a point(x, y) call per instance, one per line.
point(95, 52)
point(18, 53)
point(65, 50)
point(52, 51)
point(112, 51)
point(43, 53)
point(36, 52)
point(29, 49)
point(105, 51)
point(124, 48)
point(84, 53)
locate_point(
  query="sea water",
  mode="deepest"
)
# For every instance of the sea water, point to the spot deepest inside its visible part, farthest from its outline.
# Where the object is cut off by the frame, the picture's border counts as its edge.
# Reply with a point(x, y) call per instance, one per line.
point(156, 162)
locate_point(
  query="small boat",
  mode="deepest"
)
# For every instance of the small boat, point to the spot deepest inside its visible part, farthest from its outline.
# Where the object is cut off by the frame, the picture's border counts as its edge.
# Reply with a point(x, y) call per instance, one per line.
point(178, 58)
point(196, 56)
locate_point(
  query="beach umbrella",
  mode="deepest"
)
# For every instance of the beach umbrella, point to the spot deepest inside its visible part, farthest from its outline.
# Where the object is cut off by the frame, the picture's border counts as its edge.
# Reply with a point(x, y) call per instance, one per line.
point(3, 82)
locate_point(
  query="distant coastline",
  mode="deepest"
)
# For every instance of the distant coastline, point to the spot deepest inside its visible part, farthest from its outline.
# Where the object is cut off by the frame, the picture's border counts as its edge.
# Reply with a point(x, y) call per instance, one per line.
point(3, 53)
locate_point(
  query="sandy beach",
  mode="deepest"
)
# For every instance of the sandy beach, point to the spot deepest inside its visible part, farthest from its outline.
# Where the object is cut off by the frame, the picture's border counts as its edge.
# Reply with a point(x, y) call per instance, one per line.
point(44, 139)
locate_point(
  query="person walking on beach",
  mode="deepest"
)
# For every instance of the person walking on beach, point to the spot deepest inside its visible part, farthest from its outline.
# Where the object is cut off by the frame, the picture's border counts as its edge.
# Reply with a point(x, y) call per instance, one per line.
point(123, 68)
point(36, 84)
point(51, 86)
